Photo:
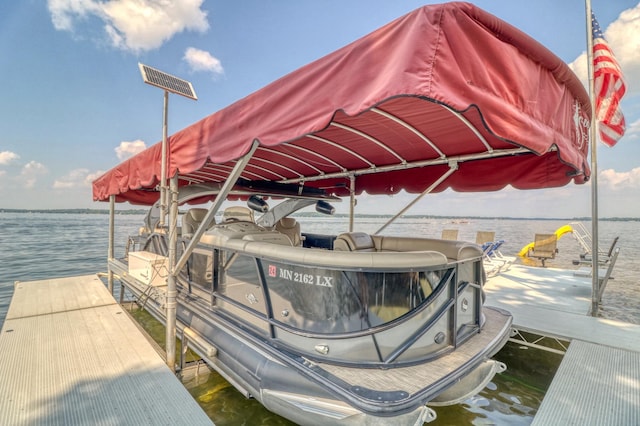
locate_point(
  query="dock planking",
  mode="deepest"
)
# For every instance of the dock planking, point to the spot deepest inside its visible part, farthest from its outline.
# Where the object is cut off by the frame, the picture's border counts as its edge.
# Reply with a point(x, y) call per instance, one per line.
point(72, 356)
point(594, 385)
point(598, 381)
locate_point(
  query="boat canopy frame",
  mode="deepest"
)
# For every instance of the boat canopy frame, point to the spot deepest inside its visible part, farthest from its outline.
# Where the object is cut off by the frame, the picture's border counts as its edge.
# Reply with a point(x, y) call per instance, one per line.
point(385, 113)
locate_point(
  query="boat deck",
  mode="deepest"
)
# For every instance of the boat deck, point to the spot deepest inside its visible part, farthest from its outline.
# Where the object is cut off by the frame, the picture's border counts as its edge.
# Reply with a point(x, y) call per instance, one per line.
point(413, 379)
point(71, 355)
point(598, 381)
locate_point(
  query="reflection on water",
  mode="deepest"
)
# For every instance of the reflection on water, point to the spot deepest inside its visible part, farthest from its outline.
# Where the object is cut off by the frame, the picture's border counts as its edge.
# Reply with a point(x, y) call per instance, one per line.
point(226, 406)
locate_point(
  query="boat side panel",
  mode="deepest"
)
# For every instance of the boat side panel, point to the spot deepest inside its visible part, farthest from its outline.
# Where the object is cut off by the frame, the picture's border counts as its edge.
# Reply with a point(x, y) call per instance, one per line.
point(432, 319)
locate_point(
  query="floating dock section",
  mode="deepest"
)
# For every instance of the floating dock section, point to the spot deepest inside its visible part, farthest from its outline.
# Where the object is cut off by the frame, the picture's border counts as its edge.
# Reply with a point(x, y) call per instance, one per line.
point(598, 380)
point(71, 356)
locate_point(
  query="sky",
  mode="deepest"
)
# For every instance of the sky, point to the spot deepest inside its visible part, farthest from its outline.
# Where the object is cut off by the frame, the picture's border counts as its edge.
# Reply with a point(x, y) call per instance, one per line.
point(73, 103)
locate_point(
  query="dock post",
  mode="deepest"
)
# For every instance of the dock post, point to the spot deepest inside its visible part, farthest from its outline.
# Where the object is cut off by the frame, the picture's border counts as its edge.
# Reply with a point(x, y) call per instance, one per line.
point(171, 282)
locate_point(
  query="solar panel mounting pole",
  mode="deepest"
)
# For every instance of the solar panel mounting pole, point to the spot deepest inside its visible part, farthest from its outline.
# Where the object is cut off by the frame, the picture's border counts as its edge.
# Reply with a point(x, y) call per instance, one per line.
point(181, 87)
point(175, 85)
point(163, 166)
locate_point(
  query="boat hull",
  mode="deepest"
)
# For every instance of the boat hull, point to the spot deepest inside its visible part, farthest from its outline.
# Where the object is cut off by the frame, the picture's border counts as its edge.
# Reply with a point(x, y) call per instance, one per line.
point(314, 392)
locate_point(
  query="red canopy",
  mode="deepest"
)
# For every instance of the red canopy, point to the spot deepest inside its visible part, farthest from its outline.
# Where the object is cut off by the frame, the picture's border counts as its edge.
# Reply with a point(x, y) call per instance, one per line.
point(446, 86)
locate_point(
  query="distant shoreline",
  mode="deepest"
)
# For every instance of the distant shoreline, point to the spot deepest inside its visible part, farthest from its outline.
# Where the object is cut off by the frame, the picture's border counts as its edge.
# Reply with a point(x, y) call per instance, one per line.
point(74, 211)
point(313, 214)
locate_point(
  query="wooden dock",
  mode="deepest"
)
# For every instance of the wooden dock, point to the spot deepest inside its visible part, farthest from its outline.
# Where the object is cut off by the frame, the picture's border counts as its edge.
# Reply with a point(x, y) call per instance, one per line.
point(71, 355)
point(598, 381)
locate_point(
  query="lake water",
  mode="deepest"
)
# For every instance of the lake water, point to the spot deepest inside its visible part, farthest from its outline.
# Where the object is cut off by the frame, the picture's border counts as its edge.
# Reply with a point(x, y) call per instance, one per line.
point(49, 245)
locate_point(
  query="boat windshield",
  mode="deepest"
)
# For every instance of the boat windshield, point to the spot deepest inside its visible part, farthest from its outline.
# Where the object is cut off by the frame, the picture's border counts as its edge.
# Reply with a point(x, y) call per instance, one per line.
point(331, 301)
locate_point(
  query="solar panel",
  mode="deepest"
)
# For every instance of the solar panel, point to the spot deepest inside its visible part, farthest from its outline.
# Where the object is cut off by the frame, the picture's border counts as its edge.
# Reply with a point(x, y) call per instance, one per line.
point(167, 82)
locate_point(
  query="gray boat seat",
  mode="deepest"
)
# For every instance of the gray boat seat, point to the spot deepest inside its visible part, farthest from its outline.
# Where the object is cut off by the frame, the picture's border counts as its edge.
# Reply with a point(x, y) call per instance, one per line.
point(291, 228)
point(191, 220)
point(237, 213)
point(354, 241)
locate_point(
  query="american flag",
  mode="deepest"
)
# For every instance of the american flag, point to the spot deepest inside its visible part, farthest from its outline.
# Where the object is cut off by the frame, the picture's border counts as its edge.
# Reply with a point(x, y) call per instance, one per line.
point(609, 88)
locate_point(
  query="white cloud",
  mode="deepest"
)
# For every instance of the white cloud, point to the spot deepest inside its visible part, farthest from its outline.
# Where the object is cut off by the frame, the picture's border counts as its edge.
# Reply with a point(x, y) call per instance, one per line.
point(623, 36)
point(78, 178)
point(129, 149)
point(618, 181)
point(579, 67)
point(93, 176)
point(8, 157)
point(64, 11)
point(133, 25)
point(30, 173)
point(200, 60)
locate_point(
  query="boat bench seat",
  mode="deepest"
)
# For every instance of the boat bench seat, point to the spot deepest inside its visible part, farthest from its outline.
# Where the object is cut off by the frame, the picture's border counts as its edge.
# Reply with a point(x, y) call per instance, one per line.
point(191, 220)
point(363, 242)
point(256, 241)
point(354, 241)
point(453, 250)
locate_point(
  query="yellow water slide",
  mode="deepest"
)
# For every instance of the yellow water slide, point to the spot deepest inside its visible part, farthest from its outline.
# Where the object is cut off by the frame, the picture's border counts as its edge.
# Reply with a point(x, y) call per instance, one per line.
point(559, 233)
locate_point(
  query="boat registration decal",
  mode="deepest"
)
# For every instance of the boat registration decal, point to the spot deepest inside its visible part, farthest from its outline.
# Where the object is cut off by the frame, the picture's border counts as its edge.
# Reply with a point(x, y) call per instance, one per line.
point(300, 277)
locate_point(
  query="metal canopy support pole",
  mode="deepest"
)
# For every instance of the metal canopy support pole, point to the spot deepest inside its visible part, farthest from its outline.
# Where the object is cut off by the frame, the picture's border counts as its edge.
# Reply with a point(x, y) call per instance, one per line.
point(453, 166)
point(496, 153)
point(173, 272)
point(222, 195)
point(595, 274)
point(163, 166)
point(110, 254)
point(352, 200)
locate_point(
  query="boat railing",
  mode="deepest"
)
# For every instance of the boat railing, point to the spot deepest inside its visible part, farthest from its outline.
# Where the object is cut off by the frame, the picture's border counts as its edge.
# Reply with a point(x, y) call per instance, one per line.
point(431, 289)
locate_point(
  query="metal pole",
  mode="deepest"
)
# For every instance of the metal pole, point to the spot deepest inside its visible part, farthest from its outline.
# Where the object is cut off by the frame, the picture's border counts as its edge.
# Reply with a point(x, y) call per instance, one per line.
point(163, 166)
point(453, 166)
point(222, 195)
point(171, 280)
point(595, 280)
point(110, 251)
point(352, 200)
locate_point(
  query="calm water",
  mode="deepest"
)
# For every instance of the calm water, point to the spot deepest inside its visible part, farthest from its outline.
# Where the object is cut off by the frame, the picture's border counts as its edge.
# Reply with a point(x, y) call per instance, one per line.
point(47, 245)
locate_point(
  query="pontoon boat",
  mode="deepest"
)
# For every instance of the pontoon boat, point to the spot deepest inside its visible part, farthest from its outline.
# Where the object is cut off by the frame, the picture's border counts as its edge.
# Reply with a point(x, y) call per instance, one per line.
point(353, 327)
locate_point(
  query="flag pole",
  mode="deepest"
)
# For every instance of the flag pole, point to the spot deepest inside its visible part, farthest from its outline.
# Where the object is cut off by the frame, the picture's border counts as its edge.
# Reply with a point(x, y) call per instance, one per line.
point(595, 281)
